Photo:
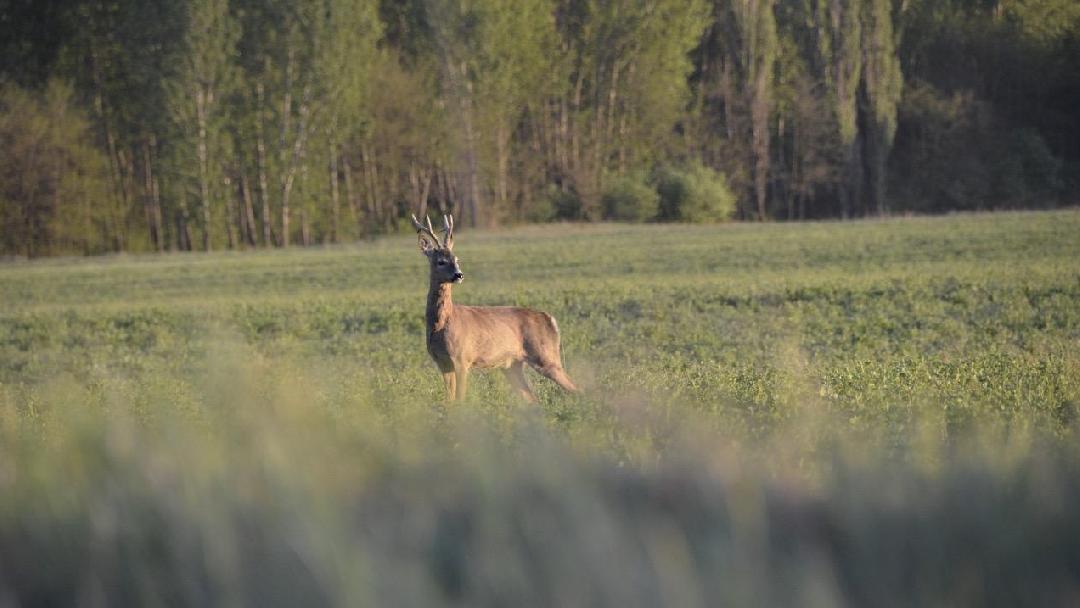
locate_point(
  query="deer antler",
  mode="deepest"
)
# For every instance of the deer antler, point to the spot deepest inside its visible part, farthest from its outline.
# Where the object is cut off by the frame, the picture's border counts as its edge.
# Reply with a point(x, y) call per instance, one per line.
point(426, 229)
point(448, 230)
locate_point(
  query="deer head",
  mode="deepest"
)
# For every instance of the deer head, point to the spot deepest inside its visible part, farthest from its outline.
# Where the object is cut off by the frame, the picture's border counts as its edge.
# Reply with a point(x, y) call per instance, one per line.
point(445, 267)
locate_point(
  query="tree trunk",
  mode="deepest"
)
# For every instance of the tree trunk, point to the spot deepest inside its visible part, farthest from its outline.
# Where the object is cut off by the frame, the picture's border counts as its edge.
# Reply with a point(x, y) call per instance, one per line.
point(249, 209)
point(623, 132)
point(155, 194)
point(371, 178)
point(115, 172)
point(295, 160)
point(425, 189)
point(233, 219)
point(545, 141)
point(420, 184)
point(183, 225)
point(613, 95)
point(286, 115)
point(202, 101)
point(472, 165)
point(575, 136)
point(153, 218)
point(502, 163)
point(264, 187)
point(562, 141)
point(760, 137)
point(350, 193)
point(335, 202)
point(117, 214)
point(305, 229)
point(877, 155)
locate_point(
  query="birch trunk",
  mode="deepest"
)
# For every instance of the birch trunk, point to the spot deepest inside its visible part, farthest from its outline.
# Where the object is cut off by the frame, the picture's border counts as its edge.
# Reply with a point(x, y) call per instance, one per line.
point(150, 200)
point(202, 99)
point(295, 161)
point(502, 162)
point(335, 203)
point(264, 186)
point(249, 210)
point(350, 193)
point(285, 181)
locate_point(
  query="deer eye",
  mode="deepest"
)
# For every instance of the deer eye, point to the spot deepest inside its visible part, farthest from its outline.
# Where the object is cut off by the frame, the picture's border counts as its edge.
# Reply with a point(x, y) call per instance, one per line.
point(441, 263)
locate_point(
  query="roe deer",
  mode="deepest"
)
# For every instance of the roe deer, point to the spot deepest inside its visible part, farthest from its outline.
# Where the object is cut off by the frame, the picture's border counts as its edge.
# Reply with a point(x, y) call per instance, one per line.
point(460, 338)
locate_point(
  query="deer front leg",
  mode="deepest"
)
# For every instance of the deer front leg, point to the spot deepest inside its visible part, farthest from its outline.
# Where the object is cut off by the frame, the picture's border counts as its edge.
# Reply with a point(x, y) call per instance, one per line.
point(462, 381)
point(450, 381)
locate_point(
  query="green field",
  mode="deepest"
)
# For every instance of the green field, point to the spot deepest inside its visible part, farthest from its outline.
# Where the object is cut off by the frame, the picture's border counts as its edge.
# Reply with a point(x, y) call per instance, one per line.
point(812, 414)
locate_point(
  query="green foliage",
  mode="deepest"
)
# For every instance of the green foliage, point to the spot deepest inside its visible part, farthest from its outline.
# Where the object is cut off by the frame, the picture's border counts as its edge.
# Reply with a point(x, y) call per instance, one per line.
point(544, 209)
point(840, 27)
point(563, 205)
point(497, 57)
point(651, 43)
point(883, 83)
point(197, 95)
point(247, 123)
point(54, 195)
point(694, 194)
point(630, 199)
point(1017, 59)
point(1046, 22)
point(1026, 173)
point(753, 46)
point(962, 157)
point(865, 298)
point(625, 66)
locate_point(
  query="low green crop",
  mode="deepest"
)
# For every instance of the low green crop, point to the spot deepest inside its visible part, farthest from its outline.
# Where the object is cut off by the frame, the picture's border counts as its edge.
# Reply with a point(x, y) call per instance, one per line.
point(797, 414)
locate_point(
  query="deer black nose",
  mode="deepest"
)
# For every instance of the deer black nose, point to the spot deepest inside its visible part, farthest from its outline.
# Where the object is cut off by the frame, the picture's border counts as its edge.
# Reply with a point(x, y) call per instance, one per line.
point(458, 276)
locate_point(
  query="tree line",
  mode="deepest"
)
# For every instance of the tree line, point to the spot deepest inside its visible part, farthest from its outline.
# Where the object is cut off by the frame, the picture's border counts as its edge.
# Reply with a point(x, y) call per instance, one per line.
point(160, 125)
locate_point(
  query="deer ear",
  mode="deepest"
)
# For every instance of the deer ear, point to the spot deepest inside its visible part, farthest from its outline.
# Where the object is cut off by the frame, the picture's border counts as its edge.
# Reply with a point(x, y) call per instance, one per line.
point(426, 244)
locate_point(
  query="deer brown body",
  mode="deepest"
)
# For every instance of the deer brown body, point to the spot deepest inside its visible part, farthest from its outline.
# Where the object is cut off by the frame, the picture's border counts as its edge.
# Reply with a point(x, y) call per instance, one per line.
point(461, 338)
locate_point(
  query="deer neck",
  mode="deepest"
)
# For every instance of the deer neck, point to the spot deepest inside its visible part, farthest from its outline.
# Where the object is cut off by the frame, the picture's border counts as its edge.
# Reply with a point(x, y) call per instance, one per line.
point(439, 306)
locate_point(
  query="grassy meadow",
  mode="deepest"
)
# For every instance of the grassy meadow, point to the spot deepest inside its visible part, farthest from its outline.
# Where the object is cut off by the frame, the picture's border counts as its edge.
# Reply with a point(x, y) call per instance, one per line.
point(862, 413)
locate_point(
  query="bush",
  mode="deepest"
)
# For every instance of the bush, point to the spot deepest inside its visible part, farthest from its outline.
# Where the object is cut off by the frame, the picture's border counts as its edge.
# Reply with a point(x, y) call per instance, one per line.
point(540, 209)
point(694, 194)
point(1026, 172)
point(953, 153)
point(53, 180)
point(562, 204)
point(629, 198)
point(936, 163)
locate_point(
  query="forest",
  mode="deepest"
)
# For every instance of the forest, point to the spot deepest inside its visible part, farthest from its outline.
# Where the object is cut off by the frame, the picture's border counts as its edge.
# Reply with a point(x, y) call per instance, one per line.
point(174, 125)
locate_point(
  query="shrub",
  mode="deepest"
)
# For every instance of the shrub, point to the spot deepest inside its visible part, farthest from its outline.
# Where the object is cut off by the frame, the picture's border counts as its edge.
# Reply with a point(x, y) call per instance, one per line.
point(953, 153)
point(1027, 172)
point(540, 209)
point(53, 180)
point(563, 204)
point(694, 194)
point(629, 198)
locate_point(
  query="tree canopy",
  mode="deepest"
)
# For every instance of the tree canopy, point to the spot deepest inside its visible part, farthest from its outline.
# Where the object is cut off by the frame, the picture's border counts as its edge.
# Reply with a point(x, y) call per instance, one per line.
point(136, 125)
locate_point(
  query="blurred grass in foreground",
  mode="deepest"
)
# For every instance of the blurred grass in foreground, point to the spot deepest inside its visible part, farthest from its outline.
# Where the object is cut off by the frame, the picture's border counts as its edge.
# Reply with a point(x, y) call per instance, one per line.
point(875, 413)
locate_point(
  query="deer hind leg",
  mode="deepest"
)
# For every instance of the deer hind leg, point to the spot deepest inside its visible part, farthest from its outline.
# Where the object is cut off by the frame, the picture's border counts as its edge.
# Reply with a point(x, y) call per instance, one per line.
point(450, 381)
point(516, 375)
point(555, 372)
